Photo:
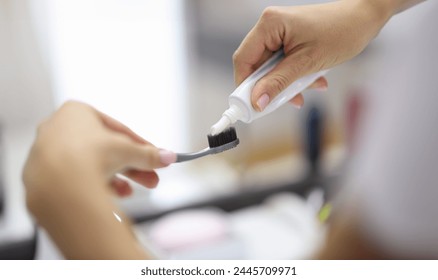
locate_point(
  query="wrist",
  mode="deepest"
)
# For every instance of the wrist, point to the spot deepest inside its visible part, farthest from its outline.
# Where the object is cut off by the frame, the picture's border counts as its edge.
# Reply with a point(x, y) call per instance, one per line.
point(372, 15)
point(82, 224)
point(379, 11)
point(59, 193)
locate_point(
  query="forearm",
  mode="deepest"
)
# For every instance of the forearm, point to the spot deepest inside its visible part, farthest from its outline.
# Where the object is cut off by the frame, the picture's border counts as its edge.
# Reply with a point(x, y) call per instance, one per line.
point(392, 7)
point(82, 224)
point(378, 12)
point(401, 5)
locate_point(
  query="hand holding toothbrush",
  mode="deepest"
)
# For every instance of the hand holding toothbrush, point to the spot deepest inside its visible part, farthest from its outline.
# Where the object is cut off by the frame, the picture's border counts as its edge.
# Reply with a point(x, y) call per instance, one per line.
point(70, 179)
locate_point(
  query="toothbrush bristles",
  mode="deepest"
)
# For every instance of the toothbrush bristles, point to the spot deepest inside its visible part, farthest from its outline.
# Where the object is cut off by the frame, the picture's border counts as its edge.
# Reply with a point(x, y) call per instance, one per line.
point(227, 136)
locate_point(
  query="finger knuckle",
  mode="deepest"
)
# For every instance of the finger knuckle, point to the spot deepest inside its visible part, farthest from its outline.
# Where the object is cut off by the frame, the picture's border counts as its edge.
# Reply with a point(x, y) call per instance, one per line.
point(310, 61)
point(41, 127)
point(236, 56)
point(305, 64)
point(270, 13)
point(152, 157)
point(70, 103)
point(280, 81)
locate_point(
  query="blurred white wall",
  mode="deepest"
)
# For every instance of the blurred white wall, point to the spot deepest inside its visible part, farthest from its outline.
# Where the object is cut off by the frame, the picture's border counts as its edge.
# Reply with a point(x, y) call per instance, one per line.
point(25, 98)
point(124, 57)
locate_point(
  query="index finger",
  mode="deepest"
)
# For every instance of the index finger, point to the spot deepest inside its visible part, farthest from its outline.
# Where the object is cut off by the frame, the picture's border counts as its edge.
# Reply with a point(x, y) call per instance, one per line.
point(258, 45)
point(117, 126)
point(249, 55)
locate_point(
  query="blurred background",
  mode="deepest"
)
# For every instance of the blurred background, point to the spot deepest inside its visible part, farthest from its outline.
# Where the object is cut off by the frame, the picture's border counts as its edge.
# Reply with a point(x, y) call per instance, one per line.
point(164, 68)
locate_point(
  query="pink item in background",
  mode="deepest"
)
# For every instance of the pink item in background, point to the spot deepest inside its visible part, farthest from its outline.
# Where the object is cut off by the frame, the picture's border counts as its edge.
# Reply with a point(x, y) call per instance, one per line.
point(189, 228)
point(355, 112)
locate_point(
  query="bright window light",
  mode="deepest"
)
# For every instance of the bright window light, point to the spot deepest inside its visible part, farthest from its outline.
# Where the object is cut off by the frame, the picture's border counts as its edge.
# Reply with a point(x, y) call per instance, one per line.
point(125, 57)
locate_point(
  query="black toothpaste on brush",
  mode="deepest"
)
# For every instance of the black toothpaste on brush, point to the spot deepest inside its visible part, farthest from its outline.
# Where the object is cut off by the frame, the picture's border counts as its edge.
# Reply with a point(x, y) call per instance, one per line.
point(217, 144)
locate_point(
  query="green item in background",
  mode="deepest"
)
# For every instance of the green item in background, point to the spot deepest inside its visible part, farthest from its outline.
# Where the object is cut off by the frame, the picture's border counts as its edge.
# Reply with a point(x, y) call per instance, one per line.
point(324, 213)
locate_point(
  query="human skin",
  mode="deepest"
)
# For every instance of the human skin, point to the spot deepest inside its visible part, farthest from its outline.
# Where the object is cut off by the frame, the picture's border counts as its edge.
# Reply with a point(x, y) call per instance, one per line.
point(313, 37)
point(70, 181)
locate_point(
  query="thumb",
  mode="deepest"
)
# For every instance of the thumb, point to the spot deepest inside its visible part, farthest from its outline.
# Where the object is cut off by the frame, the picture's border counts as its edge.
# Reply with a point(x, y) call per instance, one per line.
point(290, 69)
point(148, 157)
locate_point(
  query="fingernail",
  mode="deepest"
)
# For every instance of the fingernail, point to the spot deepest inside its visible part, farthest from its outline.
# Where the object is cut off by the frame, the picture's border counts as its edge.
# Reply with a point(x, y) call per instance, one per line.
point(297, 106)
point(263, 101)
point(322, 88)
point(167, 157)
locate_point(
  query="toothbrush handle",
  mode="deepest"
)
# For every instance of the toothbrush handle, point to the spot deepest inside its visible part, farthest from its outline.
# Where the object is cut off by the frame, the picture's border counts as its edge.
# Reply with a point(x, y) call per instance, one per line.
point(181, 157)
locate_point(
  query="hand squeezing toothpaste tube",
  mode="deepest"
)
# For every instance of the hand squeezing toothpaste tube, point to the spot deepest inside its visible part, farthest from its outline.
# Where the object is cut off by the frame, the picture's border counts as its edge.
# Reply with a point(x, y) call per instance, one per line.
point(222, 139)
point(240, 100)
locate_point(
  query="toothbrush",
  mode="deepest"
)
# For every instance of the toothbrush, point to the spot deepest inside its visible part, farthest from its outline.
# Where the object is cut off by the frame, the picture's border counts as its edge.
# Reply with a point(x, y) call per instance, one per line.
point(217, 144)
